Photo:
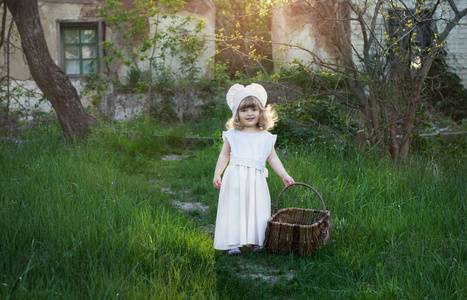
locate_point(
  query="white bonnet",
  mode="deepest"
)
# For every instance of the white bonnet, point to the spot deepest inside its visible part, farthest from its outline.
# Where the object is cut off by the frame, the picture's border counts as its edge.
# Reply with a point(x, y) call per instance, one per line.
point(238, 92)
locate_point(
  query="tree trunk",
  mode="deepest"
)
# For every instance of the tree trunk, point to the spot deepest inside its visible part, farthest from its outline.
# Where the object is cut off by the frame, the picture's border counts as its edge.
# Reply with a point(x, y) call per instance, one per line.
point(52, 81)
point(408, 122)
point(392, 114)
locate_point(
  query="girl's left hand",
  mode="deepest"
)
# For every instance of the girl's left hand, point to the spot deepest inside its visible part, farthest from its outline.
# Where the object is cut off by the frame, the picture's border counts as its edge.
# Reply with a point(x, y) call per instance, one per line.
point(287, 180)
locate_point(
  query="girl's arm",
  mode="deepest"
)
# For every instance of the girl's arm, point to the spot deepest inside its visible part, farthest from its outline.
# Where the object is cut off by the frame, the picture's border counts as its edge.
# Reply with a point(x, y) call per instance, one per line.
point(277, 166)
point(221, 163)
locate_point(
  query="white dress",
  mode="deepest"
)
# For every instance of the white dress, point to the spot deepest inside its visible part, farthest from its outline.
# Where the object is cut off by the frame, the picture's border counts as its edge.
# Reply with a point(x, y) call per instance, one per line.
point(244, 201)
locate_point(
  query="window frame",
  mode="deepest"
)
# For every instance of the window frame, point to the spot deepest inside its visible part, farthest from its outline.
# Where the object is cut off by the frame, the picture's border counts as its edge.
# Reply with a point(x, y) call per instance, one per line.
point(65, 24)
point(424, 33)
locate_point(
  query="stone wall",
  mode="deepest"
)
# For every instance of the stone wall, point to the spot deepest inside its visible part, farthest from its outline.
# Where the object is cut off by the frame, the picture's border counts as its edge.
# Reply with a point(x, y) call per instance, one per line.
point(187, 102)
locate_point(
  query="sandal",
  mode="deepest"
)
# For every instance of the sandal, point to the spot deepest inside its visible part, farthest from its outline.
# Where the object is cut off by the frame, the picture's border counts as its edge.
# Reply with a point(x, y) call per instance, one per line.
point(235, 251)
point(258, 249)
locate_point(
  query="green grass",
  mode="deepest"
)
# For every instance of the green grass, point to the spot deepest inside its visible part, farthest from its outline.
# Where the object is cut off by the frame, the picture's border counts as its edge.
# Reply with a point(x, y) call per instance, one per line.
point(399, 231)
point(76, 227)
point(94, 219)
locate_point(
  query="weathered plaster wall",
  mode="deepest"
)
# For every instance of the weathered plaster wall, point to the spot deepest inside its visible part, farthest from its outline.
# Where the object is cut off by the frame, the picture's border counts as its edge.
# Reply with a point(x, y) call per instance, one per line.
point(30, 103)
point(291, 25)
point(52, 11)
point(203, 9)
point(295, 24)
point(187, 103)
point(49, 13)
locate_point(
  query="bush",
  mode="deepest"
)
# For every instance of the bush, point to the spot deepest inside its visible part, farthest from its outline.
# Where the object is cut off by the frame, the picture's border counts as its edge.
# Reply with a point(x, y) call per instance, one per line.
point(136, 80)
point(311, 120)
point(444, 149)
point(445, 90)
point(307, 80)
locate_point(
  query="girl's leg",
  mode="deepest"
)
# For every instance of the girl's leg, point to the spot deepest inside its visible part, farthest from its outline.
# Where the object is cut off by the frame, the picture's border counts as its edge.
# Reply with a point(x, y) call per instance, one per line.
point(258, 249)
point(235, 251)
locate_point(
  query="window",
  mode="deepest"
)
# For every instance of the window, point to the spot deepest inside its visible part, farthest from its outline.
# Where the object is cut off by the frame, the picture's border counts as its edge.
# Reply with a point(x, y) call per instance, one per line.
point(80, 50)
point(420, 25)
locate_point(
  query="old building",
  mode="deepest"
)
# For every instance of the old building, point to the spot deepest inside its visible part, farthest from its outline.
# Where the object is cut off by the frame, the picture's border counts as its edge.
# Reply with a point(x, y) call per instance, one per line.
point(303, 26)
point(74, 33)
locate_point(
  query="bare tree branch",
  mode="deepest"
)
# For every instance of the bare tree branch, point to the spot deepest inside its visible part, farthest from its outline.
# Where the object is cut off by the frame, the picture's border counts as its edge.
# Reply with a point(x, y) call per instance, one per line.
point(453, 7)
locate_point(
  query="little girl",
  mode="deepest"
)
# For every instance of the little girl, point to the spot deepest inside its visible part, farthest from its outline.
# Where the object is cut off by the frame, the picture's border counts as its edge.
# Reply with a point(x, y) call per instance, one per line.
point(244, 202)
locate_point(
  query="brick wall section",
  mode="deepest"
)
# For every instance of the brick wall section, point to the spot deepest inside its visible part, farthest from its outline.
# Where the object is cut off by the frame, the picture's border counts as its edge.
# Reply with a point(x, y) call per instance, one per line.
point(457, 46)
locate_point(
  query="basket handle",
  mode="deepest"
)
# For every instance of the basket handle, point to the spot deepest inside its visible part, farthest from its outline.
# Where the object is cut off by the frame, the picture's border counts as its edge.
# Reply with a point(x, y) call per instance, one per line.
point(298, 183)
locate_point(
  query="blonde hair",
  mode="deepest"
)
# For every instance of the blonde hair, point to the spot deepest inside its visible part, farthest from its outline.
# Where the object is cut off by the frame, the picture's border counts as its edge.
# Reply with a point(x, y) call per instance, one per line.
point(267, 115)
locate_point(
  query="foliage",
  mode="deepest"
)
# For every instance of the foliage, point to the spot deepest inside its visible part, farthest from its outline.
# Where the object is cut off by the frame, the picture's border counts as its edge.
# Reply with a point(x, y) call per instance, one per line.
point(96, 88)
point(12, 110)
point(440, 147)
point(165, 111)
point(243, 38)
point(155, 36)
point(384, 78)
point(296, 76)
point(135, 80)
point(445, 90)
point(313, 82)
point(218, 80)
point(312, 121)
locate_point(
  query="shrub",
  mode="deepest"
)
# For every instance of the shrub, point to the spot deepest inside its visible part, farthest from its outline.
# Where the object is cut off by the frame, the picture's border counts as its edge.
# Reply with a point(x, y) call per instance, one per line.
point(445, 90)
point(310, 121)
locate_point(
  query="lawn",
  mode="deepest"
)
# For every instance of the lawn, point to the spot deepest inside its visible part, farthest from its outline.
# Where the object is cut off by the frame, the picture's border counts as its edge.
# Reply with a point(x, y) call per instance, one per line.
point(95, 219)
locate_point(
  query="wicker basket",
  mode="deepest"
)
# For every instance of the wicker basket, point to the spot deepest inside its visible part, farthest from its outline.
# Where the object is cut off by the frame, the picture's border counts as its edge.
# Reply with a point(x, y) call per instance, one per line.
point(296, 230)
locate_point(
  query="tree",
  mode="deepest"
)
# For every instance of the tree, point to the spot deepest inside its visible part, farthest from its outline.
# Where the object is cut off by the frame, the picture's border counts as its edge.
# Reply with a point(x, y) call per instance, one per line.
point(153, 36)
point(387, 75)
point(51, 80)
point(150, 38)
point(243, 26)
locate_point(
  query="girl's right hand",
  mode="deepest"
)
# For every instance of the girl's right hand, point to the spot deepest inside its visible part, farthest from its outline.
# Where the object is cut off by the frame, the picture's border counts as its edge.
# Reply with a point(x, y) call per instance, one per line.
point(217, 181)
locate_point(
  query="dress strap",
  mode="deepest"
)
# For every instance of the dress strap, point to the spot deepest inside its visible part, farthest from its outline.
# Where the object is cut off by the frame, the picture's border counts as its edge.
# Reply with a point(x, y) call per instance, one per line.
point(247, 162)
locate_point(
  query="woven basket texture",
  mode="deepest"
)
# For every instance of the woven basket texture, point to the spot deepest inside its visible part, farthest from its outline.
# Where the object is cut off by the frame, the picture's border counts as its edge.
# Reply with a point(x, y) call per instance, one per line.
point(297, 230)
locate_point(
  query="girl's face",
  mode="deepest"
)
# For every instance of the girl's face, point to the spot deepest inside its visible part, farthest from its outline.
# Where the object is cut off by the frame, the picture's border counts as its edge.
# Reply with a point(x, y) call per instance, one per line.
point(249, 117)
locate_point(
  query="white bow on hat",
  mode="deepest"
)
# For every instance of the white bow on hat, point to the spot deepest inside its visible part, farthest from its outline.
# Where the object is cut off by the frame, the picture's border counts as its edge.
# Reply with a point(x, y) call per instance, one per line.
point(238, 92)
